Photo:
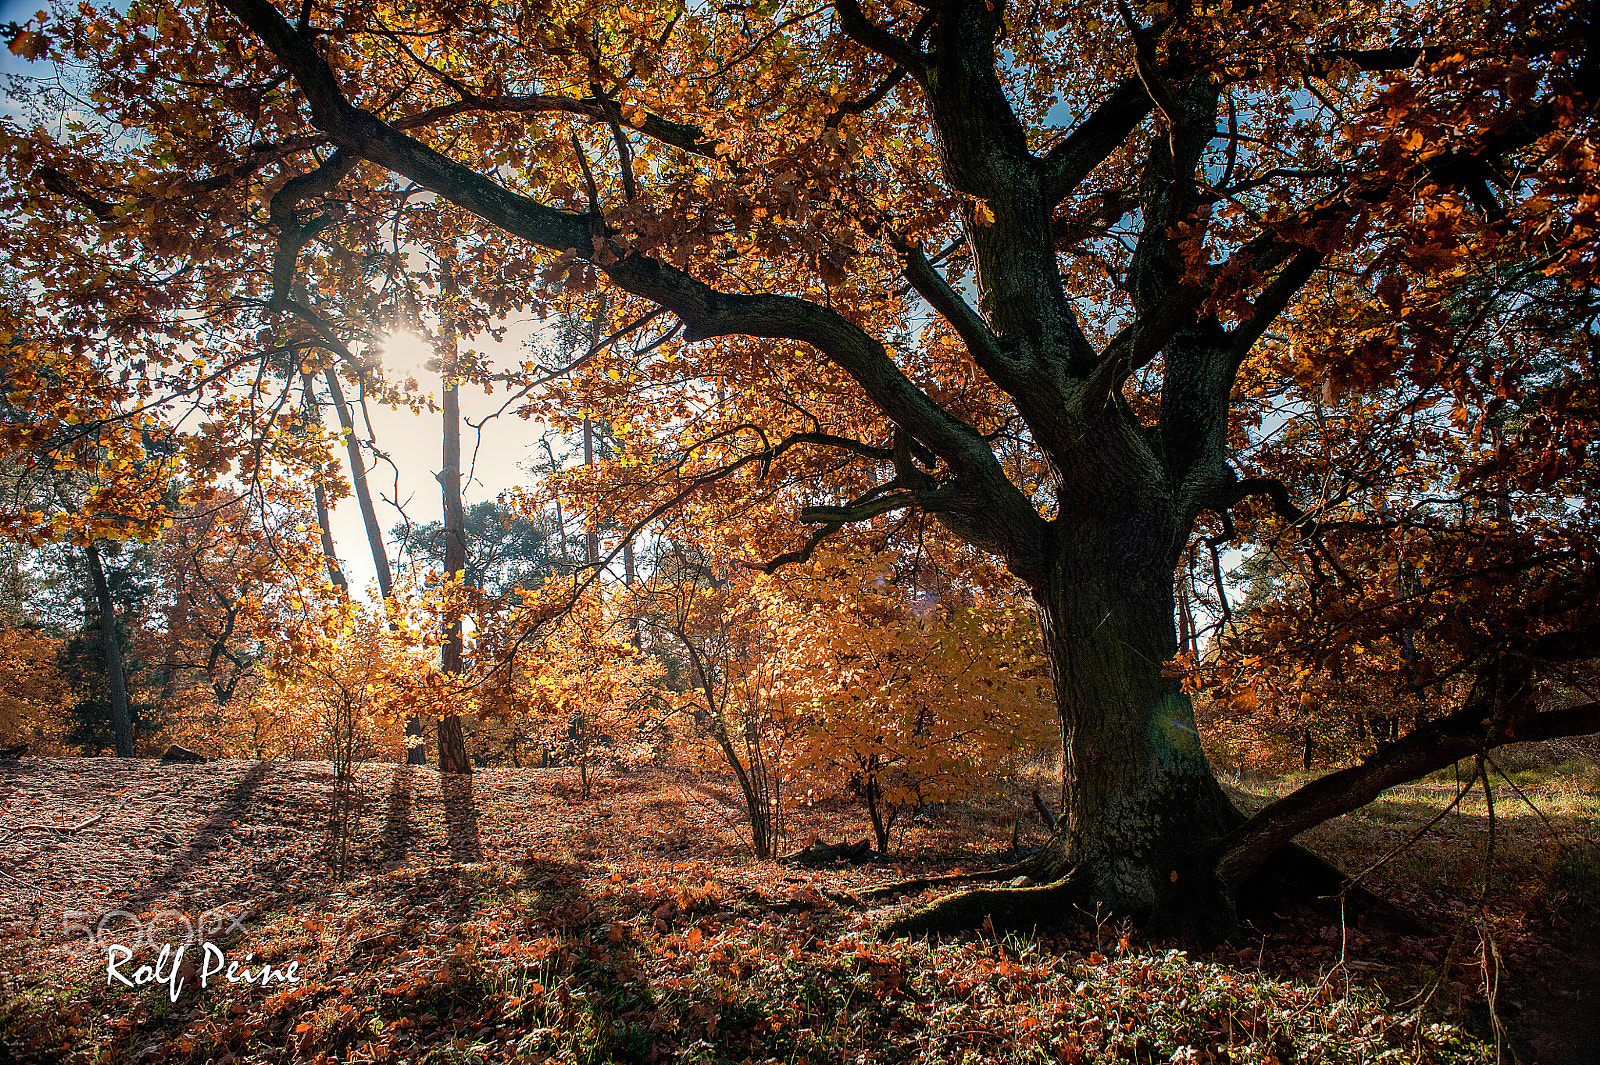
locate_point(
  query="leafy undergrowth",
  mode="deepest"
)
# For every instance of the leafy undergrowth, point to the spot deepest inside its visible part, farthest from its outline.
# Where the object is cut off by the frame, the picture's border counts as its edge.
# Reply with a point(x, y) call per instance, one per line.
point(538, 961)
point(592, 933)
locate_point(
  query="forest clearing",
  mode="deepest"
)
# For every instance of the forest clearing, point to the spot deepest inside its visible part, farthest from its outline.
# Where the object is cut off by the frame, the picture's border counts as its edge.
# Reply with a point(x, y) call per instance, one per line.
point(514, 921)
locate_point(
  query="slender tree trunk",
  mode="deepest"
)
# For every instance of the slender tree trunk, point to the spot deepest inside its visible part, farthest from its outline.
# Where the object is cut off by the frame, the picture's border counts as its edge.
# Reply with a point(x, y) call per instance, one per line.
point(452, 743)
point(416, 754)
point(358, 481)
point(592, 536)
point(330, 555)
point(875, 810)
point(582, 747)
point(121, 719)
point(177, 629)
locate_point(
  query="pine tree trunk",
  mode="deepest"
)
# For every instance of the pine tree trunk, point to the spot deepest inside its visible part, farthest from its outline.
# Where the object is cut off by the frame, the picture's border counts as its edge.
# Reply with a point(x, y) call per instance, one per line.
point(452, 743)
point(416, 753)
point(121, 719)
point(592, 536)
point(330, 555)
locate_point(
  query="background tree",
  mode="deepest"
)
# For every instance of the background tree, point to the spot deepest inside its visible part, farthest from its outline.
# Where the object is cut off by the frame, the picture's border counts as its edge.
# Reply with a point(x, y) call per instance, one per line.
point(728, 678)
point(99, 664)
point(586, 684)
point(505, 549)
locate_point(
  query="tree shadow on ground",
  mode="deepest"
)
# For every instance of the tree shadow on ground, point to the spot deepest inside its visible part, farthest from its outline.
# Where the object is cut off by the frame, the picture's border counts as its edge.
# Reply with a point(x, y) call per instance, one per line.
point(461, 817)
point(229, 811)
point(397, 826)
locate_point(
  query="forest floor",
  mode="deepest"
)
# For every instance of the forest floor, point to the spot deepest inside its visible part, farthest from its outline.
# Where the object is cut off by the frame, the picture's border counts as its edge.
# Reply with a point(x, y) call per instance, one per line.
point(507, 918)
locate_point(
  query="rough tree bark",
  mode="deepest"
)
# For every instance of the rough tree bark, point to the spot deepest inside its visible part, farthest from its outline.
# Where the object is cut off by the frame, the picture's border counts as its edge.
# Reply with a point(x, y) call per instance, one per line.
point(121, 718)
point(452, 742)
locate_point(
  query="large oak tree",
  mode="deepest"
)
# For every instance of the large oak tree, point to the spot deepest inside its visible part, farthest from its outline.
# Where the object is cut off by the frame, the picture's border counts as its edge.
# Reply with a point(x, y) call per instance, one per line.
point(1052, 275)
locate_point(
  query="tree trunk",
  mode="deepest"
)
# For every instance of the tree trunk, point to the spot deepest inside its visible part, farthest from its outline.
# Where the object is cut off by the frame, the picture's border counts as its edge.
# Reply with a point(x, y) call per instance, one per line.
point(452, 743)
point(358, 481)
point(1141, 800)
point(121, 719)
point(1141, 809)
point(416, 753)
point(592, 535)
point(873, 793)
point(330, 555)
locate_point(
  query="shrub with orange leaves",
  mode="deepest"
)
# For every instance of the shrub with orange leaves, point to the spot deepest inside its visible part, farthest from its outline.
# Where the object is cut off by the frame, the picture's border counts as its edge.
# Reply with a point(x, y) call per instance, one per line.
point(33, 691)
point(909, 698)
point(342, 688)
point(586, 687)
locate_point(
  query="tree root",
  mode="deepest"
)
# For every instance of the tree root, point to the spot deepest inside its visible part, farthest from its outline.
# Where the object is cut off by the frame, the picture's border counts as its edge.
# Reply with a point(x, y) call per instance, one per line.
point(1018, 909)
point(1201, 912)
point(906, 887)
point(1296, 875)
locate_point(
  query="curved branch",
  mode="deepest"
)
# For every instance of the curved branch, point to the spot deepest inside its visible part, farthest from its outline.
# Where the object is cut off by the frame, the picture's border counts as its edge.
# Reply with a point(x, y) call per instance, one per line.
point(931, 286)
point(801, 554)
point(861, 511)
point(1104, 131)
point(1487, 720)
point(673, 134)
point(873, 36)
point(990, 499)
point(292, 236)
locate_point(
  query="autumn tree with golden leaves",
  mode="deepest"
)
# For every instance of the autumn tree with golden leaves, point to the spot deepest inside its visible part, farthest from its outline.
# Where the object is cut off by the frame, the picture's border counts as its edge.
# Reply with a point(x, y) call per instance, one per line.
point(1055, 279)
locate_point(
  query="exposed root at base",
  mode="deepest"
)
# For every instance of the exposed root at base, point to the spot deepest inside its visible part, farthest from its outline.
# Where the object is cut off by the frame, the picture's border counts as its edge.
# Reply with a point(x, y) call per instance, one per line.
point(1202, 914)
point(1295, 874)
point(906, 887)
point(1018, 909)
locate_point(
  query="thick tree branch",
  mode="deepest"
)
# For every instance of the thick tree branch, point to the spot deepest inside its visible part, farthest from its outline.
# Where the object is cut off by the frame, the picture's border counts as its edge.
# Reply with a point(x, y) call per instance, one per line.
point(706, 313)
point(65, 187)
point(871, 35)
point(1105, 130)
point(931, 286)
point(861, 511)
point(1373, 60)
point(292, 235)
point(1070, 230)
point(1492, 716)
point(675, 134)
point(884, 87)
point(1273, 299)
